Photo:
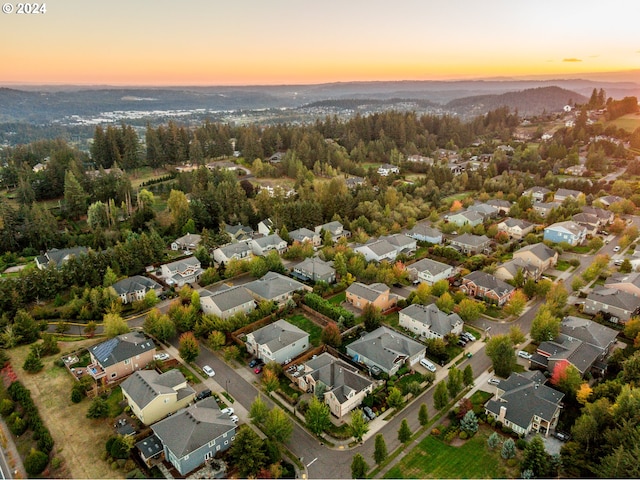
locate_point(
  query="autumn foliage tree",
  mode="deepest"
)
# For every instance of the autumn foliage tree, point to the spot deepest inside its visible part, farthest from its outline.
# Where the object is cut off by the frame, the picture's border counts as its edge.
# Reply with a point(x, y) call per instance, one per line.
point(566, 377)
point(188, 347)
point(331, 335)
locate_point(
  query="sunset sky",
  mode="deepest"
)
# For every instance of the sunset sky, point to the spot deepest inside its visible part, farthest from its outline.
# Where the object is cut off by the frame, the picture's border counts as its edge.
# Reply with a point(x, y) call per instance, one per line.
point(245, 42)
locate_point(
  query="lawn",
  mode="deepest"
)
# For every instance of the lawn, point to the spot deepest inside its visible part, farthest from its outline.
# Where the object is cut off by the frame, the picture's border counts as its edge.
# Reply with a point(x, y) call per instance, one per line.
point(338, 299)
point(563, 265)
point(314, 331)
point(480, 397)
point(627, 122)
point(393, 319)
point(432, 458)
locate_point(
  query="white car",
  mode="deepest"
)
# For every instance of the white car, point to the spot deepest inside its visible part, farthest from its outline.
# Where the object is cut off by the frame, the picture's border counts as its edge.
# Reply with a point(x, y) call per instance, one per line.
point(228, 411)
point(524, 354)
point(234, 418)
point(208, 370)
point(494, 381)
point(161, 356)
point(616, 248)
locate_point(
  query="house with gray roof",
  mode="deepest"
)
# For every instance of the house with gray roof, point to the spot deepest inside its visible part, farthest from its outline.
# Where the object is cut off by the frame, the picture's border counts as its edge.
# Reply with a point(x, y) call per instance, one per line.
point(471, 244)
point(58, 257)
point(608, 200)
point(569, 232)
point(587, 220)
point(484, 209)
point(429, 321)
point(263, 245)
point(227, 301)
point(152, 395)
point(543, 209)
point(181, 272)
point(305, 235)
point(429, 271)
point(425, 233)
point(509, 270)
point(516, 228)
point(279, 342)
point(232, 251)
point(275, 287)
point(360, 295)
point(538, 255)
point(120, 356)
point(386, 349)
point(466, 217)
point(239, 233)
point(314, 269)
point(195, 435)
point(266, 227)
point(344, 387)
point(487, 287)
point(627, 282)
point(134, 288)
point(377, 250)
point(354, 181)
point(335, 228)
point(563, 193)
point(604, 216)
point(503, 206)
point(188, 242)
point(537, 194)
point(615, 305)
point(523, 403)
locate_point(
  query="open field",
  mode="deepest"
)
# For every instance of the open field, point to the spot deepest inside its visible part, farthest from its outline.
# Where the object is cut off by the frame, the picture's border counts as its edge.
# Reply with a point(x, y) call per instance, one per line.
point(627, 122)
point(79, 441)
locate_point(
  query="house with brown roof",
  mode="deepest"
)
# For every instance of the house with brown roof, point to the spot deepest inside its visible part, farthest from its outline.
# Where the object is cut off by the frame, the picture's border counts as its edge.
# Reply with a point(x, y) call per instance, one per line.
point(120, 356)
point(487, 287)
point(471, 244)
point(539, 255)
point(627, 282)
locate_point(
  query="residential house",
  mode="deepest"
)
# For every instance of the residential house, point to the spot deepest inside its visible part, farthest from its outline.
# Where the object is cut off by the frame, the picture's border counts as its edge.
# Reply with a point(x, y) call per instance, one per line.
point(315, 270)
point(403, 243)
point(152, 395)
point(344, 386)
point(627, 282)
point(582, 343)
point(539, 255)
point(266, 227)
point(135, 288)
point(279, 342)
point(58, 257)
point(305, 235)
point(353, 182)
point(239, 233)
point(569, 232)
point(484, 209)
point(274, 287)
point(471, 244)
point(237, 251)
point(543, 209)
point(516, 228)
point(503, 206)
point(487, 287)
point(386, 349)
point(263, 245)
point(509, 270)
point(335, 228)
point(387, 169)
point(590, 222)
point(425, 233)
point(617, 306)
point(537, 194)
point(120, 356)
point(377, 250)
point(187, 243)
point(360, 295)
point(576, 170)
point(525, 404)
point(276, 157)
point(604, 216)
point(609, 200)
point(429, 271)
point(195, 435)
point(181, 272)
point(227, 301)
point(429, 321)
point(150, 450)
point(563, 193)
point(466, 217)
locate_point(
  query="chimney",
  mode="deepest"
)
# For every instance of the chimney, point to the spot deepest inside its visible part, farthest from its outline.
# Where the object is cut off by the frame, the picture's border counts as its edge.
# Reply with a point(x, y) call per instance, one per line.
point(503, 413)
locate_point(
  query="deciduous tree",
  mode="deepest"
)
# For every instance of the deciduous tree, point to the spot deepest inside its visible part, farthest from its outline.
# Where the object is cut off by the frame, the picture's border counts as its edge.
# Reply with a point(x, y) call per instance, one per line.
point(317, 416)
point(380, 452)
point(500, 350)
point(188, 347)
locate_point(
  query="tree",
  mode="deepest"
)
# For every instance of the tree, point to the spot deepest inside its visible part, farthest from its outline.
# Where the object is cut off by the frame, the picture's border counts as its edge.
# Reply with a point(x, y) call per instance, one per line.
point(216, 340)
point(317, 416)
point(516, 304)
point(395, 399)
point(439, 288)
point(247, 452)
point(258, 411)
point(36, 462)
point(178, 206)
point(583, 393)
point(556, 298)
point(423, 415)
point(467, 376)
point(99, 408)
point(359, 467)
point(440, 396)
point(566, 377)
point(114, 325)
point(109, 278)
point(446, 302)
point(159, 325)
point(500, 350)
point(516, 335)
point(535, 457)
point(545, 325)
point(278, 426)
point(508, 449)
point(454, 382)
point(469, 423)
point(33, 363)
point(372, 317)
point(188, 347)
point(331, 335)
point(358, 425)
point(493, 441)
point(404, 433)
point(25, 328)
point(470, 310)
point(75, 198)
point(380, 451)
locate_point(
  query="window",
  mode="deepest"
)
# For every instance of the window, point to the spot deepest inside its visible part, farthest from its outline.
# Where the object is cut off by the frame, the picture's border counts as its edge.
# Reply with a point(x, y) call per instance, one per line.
point(127, 361)
point(224, 435)
point(208, 456)
point(114, 375)
point(226, 442)
point(217, 448)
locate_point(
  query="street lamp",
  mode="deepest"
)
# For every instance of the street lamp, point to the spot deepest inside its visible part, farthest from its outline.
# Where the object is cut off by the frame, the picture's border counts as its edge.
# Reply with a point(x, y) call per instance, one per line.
point(227, 384)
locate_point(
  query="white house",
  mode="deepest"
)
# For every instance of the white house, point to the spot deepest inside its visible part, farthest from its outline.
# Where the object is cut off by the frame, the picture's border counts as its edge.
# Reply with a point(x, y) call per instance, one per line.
point(182, 272)
point(227, 301)
point(429, 321)
point(277, 342)
point(262, 246)
point(387, 169)
point(429, 271)
point(237, 251)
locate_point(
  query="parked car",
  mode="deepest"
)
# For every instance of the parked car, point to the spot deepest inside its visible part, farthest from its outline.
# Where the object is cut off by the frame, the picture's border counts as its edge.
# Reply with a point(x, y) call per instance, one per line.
point(203, 394)
point(234, 418)
point(526, 355)
point(461, 342)
point(427, 364)
point(470, 336)
point(161, 356)
point(258, 369)
point(208, 370)
point(494, 381)
point(369, 413)
point(228, 411)
point(565, 437)
point(255, 362)
point(616, 248)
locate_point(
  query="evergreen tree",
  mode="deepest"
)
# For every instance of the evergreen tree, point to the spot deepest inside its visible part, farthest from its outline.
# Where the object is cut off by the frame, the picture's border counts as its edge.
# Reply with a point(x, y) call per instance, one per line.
point(74, 196)
point(535, 457)
point(380, 452)
point(404, 433)
point(440, 396)
point(359, 467)
point(467, 376)
point(423, 415)
point(508, 449)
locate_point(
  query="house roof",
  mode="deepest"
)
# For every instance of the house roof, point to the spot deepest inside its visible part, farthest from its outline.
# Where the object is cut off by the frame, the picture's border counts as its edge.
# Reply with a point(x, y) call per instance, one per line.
point(425, 230)
point(489, 282)
point(340, 377)
point(278, 335)
point(496, 202)
point(316, 265)
point(226, 298)
point(400, 240)
point(149, 447)
point(386, 347)
point(609, 199)
point(333, 227)
point(569, 226)
point(588, 331)
point(587, 218)
point(430, 266)
point(368, 292)
point(540, 250)
point(516, 222)
point(533, 190)
point(566, 192)
point(273, 285)
point(233, 230)
point(547, 205)
point(135, 284)
point(632, 278)
point(120, 348)
point(601, 213)
point(184, 264)
point(471, 240)
point(273, 239)
point(512, 266)
point(188, 430)
point(430, 315)
point(143, 386)
point(379, 247)
point(615, 298)
point(59, 256)
point(190, 239)
point(235, 249)
point(470, 215)
point(524, 397)
point(483, 209)
point(302, 234)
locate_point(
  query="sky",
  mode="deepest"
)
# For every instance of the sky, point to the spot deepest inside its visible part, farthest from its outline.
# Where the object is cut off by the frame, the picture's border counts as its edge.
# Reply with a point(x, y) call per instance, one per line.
point(270, 42)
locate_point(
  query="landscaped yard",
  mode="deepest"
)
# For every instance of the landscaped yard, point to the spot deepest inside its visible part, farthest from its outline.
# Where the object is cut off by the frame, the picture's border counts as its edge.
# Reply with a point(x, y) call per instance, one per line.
point(338, 299)
point(563, 265)
point(314, 331)
point(393, 320)
point(433, 458)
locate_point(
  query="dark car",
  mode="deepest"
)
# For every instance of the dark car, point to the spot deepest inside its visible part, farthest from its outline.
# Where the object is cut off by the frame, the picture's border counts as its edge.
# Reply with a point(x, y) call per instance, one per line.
point(255, 362)
point(203, 394)
point(562, 436)
point(369, 413)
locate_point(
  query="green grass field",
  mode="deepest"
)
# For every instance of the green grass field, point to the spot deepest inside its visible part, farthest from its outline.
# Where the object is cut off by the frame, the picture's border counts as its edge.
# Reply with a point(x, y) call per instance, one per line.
point(435, 459)
point(308, 326)
point(627, 122)
point(338, 299)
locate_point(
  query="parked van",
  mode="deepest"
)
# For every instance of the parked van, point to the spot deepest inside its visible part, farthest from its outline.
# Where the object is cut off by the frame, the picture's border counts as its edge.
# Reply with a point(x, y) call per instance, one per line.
point(428, 365)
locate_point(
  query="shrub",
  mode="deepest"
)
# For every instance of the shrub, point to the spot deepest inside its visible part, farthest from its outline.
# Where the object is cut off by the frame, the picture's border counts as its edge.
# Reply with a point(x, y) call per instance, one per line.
point(463, 435)
point(17, 424)
point(435, 432)
point(36, 462)
point(521, 443)
point(77, 393)
point(6, 407)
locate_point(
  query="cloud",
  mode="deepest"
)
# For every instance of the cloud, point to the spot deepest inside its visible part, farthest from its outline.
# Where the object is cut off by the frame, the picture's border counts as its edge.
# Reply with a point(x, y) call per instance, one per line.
point(571, 60)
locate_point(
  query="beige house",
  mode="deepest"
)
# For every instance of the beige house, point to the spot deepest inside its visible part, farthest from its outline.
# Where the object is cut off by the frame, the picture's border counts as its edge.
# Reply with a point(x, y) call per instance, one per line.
point(538, 255)
point(360, 295)
point(120, 356)
point(152, 396)
point(516, 228)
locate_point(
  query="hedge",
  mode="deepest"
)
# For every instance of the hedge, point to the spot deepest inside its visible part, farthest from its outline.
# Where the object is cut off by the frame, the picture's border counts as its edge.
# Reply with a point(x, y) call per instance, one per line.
point(328, 309)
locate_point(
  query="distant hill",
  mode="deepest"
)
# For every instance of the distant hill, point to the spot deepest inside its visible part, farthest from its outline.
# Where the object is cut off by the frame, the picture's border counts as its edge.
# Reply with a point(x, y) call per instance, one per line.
point(532, 101)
